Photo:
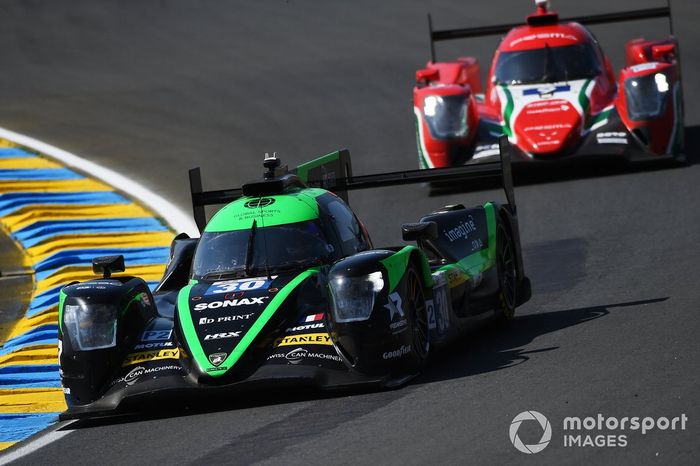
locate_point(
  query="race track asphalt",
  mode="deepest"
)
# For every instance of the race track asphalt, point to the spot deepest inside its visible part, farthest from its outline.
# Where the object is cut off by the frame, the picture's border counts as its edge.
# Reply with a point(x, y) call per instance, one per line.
point(154, 88)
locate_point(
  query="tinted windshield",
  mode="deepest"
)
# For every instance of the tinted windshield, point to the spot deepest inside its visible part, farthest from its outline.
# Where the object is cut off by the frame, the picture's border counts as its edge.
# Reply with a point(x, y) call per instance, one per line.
point(285, 246)
point(550, 64)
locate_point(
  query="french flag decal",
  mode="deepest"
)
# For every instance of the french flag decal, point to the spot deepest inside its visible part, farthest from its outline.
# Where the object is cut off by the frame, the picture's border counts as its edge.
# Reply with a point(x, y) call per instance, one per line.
point(313, 318)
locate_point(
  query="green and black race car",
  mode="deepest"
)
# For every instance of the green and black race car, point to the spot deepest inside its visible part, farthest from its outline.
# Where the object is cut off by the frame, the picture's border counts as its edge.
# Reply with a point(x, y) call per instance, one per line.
point(284, 287)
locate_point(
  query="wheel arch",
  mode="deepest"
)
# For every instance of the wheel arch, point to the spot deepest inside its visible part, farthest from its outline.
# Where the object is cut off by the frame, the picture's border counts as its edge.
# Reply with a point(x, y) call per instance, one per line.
point(509, 219)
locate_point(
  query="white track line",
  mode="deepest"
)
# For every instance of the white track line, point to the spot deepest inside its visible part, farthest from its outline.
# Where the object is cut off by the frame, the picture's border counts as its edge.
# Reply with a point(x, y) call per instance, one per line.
point(38, 442)
point(176, 218)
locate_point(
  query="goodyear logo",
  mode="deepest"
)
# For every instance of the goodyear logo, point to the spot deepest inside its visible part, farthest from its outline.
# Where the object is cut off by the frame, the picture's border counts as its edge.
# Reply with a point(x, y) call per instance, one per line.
point(308, 338)
point(145, 356)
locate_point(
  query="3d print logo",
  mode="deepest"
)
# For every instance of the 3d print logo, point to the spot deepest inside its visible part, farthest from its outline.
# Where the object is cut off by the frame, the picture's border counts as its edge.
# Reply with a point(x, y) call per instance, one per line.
point(530, 416)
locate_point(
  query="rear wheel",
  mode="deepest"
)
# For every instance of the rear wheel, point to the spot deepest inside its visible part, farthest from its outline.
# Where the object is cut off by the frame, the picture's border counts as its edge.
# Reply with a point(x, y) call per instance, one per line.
point(418, 312)
point(507, 273)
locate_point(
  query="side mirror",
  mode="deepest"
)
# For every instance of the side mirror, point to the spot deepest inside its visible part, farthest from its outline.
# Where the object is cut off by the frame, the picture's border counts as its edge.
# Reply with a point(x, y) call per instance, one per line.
point(419, 231)
point(105, 265)
point(662, 51)
point(427, 75)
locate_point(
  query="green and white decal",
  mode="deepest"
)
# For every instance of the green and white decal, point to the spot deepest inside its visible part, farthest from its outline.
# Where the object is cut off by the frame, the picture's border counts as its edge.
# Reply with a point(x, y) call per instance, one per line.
point(423, 160)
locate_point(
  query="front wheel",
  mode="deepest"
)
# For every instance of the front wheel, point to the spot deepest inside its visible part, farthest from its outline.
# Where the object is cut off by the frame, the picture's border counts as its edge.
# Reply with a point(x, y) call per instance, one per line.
point(419, 315)
point(507, 273)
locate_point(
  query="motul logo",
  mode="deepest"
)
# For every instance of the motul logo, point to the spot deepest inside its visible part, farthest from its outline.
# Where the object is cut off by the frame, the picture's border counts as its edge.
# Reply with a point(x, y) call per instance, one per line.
point(219, 336)
point(305, 327)
point(230, 302)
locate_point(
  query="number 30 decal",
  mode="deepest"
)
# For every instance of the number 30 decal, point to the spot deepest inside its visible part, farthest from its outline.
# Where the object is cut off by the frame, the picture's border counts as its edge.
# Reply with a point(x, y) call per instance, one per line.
point(230, 286)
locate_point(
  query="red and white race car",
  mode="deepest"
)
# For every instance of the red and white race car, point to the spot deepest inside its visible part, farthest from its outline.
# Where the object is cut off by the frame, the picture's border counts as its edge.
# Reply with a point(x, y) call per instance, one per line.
point(553, 92)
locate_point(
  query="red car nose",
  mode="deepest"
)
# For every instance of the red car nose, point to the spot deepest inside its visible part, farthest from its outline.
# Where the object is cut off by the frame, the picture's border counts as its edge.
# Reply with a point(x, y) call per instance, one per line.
point(547, 126)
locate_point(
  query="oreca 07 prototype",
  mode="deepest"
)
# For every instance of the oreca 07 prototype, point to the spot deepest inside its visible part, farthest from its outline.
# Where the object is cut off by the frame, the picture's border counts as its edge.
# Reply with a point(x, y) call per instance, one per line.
point(552, 91)
point(284, 287)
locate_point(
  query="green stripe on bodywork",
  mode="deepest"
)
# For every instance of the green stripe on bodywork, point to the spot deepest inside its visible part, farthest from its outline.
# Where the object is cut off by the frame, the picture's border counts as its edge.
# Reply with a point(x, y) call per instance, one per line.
point(302, 170)
point(397, 263)
point(286, 208)
point(61, 299)
point(193, 340)
point(480, 261)
point(583, 99)
point(495, 129)
point(508, 111)
point(422, 162)
point(601, 117)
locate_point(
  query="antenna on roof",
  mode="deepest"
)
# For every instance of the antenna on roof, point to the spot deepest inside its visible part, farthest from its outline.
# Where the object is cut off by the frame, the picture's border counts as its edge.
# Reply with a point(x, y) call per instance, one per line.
point(271, 162)
point(542, 6)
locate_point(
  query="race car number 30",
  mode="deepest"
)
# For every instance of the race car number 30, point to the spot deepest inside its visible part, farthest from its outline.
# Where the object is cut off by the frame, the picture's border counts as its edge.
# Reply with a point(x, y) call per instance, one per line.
point(248, 284)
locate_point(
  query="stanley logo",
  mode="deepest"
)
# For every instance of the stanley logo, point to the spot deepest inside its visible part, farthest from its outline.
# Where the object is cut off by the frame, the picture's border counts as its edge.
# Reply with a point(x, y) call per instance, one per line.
point(308, 338)
point(145, 356)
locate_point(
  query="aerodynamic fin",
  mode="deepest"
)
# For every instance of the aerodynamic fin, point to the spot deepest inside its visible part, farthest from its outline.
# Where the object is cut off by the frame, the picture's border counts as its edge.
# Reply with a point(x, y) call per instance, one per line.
point(334, 173)
point(463, 33)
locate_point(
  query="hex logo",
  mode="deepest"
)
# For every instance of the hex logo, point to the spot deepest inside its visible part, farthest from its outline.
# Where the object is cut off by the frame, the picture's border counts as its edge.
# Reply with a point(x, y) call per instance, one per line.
point(530, 416)
point(219, 336)
point(259, 203)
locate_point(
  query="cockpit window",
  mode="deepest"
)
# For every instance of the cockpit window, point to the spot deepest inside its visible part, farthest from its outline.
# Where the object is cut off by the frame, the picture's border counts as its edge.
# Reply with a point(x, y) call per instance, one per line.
point(257, 250)
point(549, 64)
point(346, 226)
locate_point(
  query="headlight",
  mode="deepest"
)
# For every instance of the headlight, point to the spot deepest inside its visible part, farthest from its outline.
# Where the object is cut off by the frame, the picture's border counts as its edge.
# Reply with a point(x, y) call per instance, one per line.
point(646, 96)
point(353, 297)
point(446, 116)
point(91, 326)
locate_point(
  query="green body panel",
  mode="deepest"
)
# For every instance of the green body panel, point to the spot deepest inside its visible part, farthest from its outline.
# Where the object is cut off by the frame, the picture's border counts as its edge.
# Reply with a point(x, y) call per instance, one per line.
point(193, 341)
point(397, 263)
point(286, 208)
point(61, 299)
point(302, 170)
point(315, 192)
point(480, 261)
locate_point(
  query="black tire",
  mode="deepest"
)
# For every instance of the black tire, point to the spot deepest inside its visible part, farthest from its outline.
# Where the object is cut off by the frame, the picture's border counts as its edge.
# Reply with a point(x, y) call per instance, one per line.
point(418, 312)
point(507, 273)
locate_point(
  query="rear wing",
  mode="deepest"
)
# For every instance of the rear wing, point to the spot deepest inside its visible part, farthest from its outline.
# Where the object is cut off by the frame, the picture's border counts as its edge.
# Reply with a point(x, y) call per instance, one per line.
point(333, 172)
point(463, 33)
